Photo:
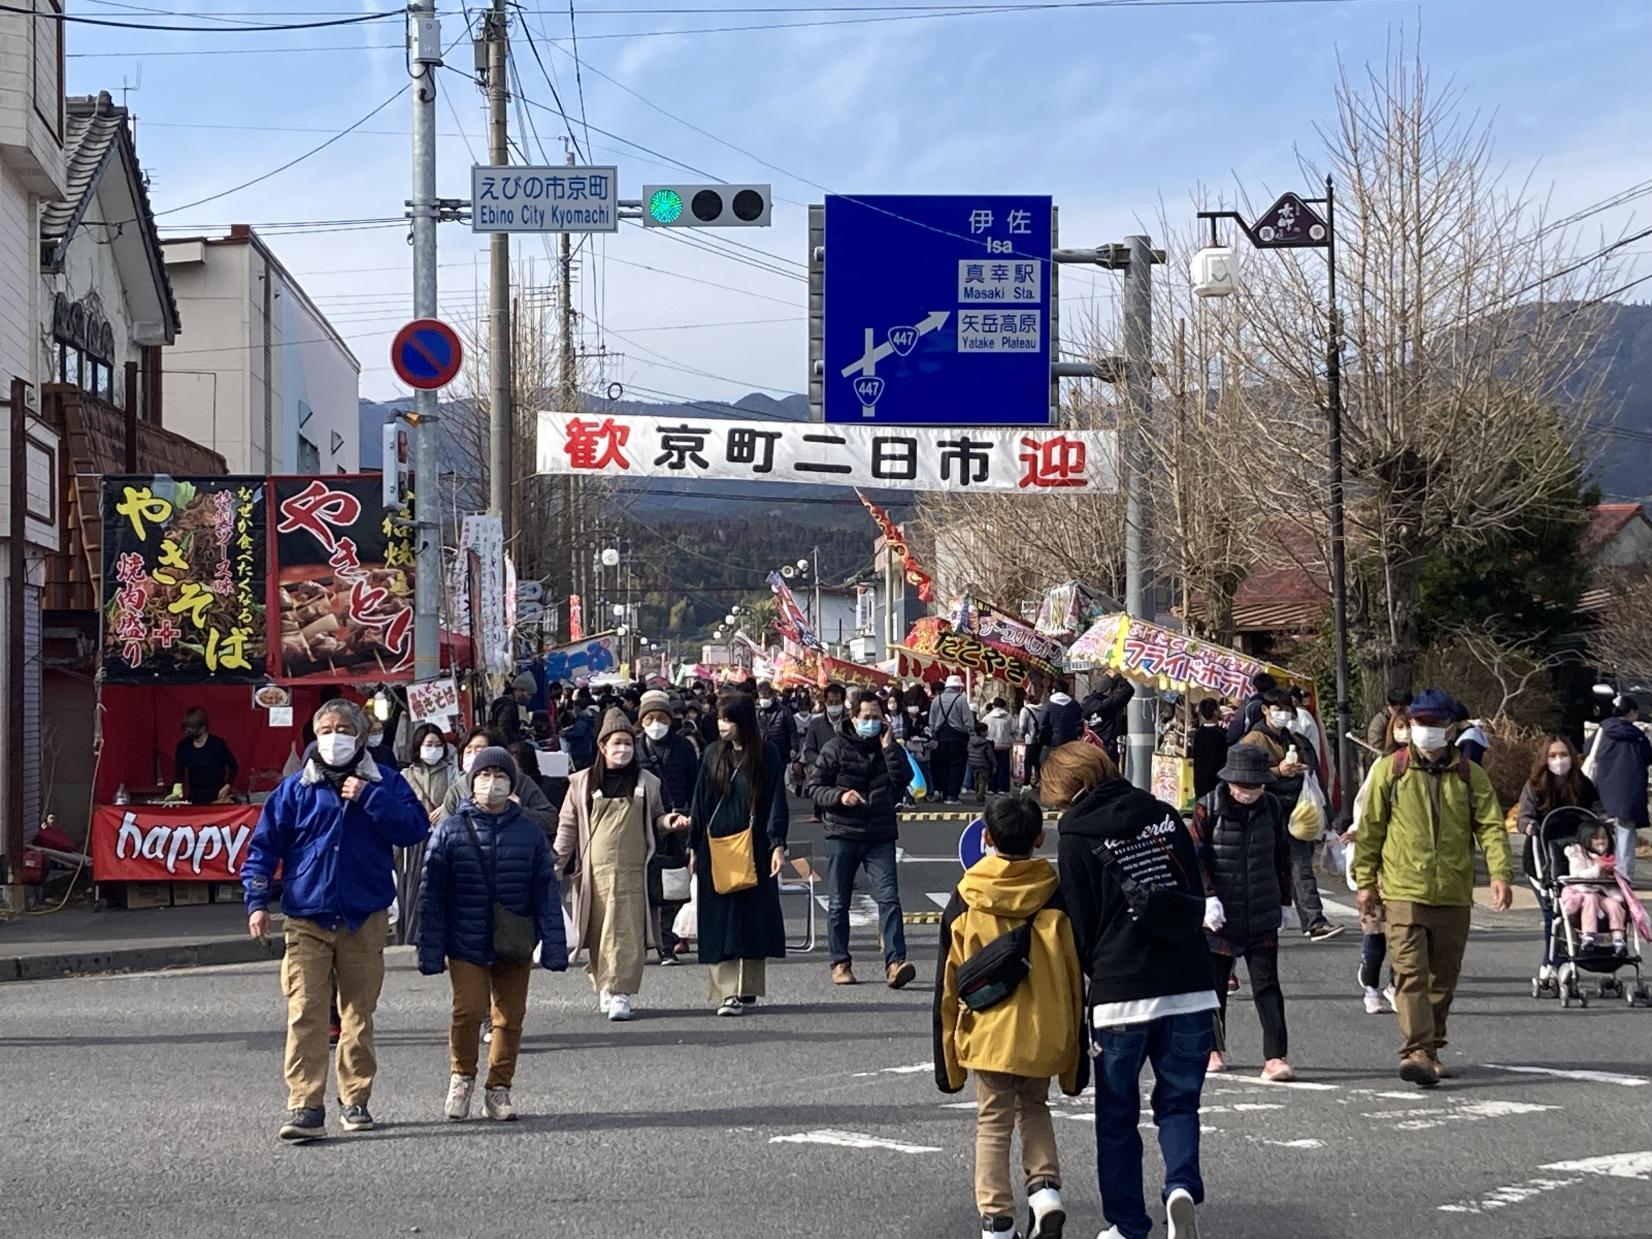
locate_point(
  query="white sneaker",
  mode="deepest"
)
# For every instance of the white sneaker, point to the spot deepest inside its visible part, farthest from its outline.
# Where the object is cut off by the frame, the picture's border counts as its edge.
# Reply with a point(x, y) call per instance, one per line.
point(730, 1007)
point(1373, 1001)
point(605, 1001)
point(496, 1104)
point(619, 1008)
point(1049, 1219)
point(1546, 974)
point(1112, 1232)
point(1388, 995)
point(1179, 1213)
point(458, 1097)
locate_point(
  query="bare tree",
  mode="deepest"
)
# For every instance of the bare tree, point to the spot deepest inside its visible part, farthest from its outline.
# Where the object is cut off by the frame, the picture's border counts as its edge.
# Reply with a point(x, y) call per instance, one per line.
point(1623, 633)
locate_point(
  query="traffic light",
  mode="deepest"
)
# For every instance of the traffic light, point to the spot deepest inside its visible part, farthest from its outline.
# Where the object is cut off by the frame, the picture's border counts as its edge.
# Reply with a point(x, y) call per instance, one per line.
point(705, 206)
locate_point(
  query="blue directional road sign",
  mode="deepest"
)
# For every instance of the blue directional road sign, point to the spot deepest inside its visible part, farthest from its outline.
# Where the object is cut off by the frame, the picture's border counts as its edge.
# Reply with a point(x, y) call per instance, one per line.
point(972, 844)
point(937, 310)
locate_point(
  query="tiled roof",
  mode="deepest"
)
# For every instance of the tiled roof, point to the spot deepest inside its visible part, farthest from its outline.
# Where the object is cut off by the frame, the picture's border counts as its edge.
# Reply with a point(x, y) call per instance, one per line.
point(95, 132)
point(1608, 521)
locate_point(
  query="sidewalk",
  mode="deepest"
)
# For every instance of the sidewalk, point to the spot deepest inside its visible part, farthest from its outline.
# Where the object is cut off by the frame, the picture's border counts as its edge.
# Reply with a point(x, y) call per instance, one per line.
point(78, 940)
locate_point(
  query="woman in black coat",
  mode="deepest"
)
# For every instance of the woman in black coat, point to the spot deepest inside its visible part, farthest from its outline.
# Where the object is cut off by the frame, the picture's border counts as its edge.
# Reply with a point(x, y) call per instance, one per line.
point(742, 786)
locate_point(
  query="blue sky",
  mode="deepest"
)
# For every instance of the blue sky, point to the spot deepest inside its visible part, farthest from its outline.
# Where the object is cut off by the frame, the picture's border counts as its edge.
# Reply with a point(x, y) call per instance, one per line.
point(1116, 113)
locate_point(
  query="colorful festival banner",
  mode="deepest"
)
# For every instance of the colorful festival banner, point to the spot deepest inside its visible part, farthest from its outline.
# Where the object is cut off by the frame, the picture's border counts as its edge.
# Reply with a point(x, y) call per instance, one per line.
point(1008, 635)
point(964, 651)
point(976, 458)
point(851, 675)
point(1152, 655)
point(581, 660)
point(183, 589)
point(895, 540)
point(159, 843)
point(792, 623)
point(342, 574)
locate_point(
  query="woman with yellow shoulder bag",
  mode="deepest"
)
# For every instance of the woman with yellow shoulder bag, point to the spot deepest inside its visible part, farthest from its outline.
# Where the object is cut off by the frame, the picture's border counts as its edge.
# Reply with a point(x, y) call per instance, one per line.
point(739, 844)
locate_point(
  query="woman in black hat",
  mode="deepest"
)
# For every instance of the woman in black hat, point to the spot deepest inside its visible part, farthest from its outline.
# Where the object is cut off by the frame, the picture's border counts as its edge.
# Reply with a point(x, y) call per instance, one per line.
point(1245, 859)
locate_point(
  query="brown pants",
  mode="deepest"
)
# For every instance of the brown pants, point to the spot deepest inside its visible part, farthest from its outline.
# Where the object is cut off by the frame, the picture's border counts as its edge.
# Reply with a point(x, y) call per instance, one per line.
point(314, 958)
point(1425, 950)
point(1004, 1102)
point(472, 986)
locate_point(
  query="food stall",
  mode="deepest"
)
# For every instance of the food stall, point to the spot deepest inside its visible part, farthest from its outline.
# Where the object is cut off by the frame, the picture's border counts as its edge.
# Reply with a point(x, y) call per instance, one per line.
point(1155, 657)
point(253, 599)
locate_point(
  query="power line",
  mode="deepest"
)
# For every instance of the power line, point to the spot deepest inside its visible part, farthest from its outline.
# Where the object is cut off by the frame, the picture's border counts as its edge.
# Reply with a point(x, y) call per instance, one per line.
point(579, 77)
point(560, 111)
point(235, 51)
point(117, 24)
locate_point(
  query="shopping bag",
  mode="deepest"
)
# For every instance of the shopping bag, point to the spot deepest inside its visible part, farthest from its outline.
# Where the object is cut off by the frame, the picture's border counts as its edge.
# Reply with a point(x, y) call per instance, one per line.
point(1308, 817)
point(687, 924)
point(1332, 860)
point(918, 788)
point(570, 927)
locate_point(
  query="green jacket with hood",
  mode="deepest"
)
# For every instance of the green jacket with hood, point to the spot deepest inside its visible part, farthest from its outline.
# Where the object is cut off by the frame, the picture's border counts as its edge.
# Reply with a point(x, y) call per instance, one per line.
point(1418, 831)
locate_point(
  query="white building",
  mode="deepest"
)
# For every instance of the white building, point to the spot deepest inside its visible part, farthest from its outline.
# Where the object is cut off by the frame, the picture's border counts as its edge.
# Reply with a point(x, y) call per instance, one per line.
point(258, 373)
point(33, 172)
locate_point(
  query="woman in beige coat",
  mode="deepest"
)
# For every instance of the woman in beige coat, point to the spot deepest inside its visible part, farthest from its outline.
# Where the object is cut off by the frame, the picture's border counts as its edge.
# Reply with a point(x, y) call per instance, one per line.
point(608, 822)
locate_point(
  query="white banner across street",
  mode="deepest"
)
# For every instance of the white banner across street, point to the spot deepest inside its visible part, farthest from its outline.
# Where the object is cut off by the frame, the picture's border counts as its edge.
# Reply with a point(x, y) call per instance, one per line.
point(1010, 459)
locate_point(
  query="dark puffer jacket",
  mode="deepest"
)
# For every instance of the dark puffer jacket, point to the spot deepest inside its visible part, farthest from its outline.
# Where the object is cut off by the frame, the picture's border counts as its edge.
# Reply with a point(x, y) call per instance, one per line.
point(1245, 861)
point(1622, 755)
point(456, 897)
point(878, 771)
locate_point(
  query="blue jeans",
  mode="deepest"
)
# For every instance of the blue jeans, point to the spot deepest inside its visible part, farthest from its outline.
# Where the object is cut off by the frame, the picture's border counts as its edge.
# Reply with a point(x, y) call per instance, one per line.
point(1626, 852)
point(1179, 1048)
point(843, 858)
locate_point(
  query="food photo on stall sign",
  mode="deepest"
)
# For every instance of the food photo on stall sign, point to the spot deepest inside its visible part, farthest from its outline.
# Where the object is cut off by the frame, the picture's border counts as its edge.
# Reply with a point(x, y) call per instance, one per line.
point(343, 574)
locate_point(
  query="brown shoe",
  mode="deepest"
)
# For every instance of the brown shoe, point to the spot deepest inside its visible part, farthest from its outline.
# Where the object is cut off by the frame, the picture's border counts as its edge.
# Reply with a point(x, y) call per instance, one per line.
point(1441, 1071)
point(1418, 1068)
point(843, 974)
point(899, 974)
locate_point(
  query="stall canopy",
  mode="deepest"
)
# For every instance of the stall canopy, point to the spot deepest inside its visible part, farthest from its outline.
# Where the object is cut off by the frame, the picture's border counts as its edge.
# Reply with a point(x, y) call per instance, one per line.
point(1171, 661)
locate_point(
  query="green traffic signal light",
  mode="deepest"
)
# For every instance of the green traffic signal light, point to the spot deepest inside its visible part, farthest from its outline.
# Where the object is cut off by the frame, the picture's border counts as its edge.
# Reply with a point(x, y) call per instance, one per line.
point(665, 206)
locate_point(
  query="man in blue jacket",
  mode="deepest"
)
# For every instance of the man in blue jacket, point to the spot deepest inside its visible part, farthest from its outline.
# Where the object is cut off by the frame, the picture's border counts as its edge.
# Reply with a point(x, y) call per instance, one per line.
point(330, 829)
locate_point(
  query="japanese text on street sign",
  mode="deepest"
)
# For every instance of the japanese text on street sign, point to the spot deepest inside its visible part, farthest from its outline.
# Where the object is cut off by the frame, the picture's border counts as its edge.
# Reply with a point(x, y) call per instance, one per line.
point(554, 199)
point(183, 588)
point(937, 310)
point(1017, 461)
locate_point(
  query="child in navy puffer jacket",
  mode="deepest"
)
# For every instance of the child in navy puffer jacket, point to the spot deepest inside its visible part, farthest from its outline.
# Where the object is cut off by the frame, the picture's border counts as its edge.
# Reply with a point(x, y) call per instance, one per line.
point(488, 853)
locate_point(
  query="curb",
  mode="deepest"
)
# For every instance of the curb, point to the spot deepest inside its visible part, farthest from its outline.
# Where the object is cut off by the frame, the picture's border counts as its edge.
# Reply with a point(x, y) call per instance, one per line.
point(138, 959)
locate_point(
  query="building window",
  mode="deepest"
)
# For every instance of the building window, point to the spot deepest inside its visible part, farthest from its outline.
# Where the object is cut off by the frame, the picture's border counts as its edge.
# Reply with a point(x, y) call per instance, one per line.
point(309, 457)
point(47, 66)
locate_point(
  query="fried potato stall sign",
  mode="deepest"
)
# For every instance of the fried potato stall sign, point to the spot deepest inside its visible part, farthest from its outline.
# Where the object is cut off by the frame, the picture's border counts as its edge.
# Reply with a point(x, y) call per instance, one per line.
point(183, 588)
point(343, 574)
point(159, 843)
point(1012, 460)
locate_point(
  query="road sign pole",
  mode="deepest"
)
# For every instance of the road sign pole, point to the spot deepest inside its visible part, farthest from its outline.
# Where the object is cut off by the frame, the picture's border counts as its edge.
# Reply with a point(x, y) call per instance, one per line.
point(499, 287)
point(426, 454)
point(1140, 587)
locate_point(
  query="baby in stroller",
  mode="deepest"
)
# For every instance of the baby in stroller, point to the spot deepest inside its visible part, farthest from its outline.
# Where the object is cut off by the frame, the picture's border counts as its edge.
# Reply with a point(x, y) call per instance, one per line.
point(1590, 893)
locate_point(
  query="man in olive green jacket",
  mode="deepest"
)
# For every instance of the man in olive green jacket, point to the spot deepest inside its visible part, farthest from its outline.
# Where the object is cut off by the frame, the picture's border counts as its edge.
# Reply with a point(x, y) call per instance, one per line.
point(1425, 807)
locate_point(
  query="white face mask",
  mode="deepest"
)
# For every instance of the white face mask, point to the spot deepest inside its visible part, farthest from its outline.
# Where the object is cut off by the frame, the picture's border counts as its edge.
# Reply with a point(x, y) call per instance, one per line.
point(1428, 739)
point(726, 729)
point(1244, 795)
point(466, 762)
point(375, 738)
point(431, 753)
point(618, 756)
point(336, 748)
point(490, 789)
point(765, 702)
point(1281, 718)
point(657, 731)
point(911, 709)
point(1402, 735)
point(1560, 766)
point(834, 711)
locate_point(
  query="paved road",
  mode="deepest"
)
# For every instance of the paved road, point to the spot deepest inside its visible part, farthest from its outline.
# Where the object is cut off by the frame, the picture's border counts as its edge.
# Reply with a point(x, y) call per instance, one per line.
point(147, 1104)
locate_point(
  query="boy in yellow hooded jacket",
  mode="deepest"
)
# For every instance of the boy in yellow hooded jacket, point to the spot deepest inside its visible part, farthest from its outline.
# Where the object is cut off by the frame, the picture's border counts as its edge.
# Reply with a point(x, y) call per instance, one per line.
point(1015, 1046)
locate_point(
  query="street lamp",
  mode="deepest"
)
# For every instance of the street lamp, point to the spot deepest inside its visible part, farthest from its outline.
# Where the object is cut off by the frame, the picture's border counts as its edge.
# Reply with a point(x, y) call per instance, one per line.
point(619, 610)
point(1291, 224)
point(610, 557)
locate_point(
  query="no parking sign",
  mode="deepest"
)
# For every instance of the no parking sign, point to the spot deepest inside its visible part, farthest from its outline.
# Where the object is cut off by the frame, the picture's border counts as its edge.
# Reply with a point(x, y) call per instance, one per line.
point(426, 354)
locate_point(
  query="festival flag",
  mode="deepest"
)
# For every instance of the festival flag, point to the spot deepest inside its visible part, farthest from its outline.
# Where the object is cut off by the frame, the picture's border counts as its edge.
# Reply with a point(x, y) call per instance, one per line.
point(792, 623)
point(895, 540)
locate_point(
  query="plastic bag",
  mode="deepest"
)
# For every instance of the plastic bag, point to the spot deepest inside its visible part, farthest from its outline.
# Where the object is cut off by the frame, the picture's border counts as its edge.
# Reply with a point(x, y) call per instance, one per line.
point(1308, 817)
point(687, 924)
point(1334, 859)
point(918, 788)
point(570, 927)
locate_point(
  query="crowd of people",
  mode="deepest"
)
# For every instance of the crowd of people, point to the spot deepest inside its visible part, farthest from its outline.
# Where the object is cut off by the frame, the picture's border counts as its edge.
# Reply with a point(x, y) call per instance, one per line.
point(1121, 954)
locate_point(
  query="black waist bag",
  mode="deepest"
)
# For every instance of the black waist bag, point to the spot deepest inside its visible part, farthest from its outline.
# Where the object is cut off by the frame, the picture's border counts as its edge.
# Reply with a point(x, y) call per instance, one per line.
point(994, 972)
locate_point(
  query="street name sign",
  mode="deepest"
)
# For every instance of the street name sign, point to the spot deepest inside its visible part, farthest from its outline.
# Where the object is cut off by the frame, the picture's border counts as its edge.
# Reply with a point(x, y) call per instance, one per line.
point(937, 310)
point(509, 198)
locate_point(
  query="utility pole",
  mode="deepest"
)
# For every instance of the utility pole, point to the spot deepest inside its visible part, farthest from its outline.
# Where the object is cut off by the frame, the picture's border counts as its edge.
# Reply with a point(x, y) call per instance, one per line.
point(1140, 587)
point(573, 497)
point(499, 284)
point(820, 620)
point(1339, 556)
point(424, 43)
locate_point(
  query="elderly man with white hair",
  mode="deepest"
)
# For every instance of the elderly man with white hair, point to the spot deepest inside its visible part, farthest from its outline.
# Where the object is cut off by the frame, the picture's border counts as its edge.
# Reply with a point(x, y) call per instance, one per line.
point(330, 828)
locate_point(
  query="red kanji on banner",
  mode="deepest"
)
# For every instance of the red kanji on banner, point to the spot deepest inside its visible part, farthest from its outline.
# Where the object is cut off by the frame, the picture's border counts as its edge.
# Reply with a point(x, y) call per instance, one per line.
point(1057, 461)
point(315, 508)
point(596, 445)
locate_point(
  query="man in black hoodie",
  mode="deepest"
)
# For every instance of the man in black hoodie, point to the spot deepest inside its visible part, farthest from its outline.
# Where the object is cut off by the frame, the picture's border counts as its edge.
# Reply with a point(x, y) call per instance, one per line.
point(1130, 878)
point(1104, 710)
point(1063, 719)
point(856, 783)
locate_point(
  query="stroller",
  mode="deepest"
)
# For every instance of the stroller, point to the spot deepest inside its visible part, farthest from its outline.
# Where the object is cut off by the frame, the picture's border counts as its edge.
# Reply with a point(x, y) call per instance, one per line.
point(1571, 951)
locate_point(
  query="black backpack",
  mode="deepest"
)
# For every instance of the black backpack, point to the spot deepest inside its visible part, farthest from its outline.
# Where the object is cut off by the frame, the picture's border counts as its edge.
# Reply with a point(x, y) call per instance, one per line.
point(996, 971)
